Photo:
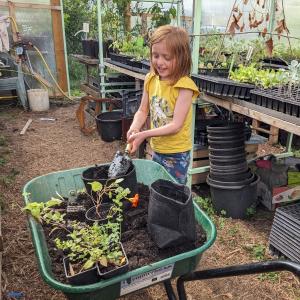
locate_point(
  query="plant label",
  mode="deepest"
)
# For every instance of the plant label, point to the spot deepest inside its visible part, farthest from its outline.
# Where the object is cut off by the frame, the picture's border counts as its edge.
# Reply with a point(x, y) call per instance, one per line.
point(249, 53)
point(86, 27)
point(143, 280)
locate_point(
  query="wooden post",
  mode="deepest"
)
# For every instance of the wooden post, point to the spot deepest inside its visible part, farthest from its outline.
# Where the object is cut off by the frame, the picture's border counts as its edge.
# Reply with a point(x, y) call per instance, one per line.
point(58, 39)
point(12, 13)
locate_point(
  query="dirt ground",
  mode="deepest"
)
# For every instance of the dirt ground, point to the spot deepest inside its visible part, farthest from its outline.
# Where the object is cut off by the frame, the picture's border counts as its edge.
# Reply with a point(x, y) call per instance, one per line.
point(49, 146)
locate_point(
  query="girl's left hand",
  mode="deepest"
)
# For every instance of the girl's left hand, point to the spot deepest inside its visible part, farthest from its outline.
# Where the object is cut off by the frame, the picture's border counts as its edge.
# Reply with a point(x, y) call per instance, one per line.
point(135, 140)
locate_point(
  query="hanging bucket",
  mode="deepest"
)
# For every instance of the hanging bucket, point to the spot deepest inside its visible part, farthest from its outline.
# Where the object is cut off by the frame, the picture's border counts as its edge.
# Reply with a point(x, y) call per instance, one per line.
point(38, 99)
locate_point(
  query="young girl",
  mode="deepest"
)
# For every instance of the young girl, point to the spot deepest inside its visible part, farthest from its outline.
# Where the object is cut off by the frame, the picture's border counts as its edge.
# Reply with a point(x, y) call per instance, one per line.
point(168, 95)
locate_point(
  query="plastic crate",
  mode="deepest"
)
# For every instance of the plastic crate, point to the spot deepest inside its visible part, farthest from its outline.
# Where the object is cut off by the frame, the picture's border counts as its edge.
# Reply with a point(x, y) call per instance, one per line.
point(131, 101)
point(43, 187)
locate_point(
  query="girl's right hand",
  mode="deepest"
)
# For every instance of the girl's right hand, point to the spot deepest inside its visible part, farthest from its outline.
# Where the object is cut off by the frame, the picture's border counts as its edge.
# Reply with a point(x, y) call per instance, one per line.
point(130, 132)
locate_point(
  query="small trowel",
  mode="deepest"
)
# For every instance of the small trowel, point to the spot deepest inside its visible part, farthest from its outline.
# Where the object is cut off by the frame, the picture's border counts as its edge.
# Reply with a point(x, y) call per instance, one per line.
point(120, 164)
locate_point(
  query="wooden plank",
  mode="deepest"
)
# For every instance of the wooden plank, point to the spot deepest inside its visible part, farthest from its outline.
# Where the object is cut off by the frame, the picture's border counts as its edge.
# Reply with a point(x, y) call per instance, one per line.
point(125, 71)
point(268, 116)
point(31, 5)
point(58, 39)
point(89, 90)
point(26, 127)
point(85, 59)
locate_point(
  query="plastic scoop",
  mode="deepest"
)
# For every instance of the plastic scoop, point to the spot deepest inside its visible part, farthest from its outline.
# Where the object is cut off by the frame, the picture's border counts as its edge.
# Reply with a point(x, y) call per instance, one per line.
point(120, 164)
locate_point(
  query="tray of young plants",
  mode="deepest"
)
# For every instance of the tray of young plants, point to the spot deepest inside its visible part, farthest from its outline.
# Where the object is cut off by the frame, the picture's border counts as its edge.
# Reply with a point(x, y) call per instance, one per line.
point(115, 255)
point(280, 92)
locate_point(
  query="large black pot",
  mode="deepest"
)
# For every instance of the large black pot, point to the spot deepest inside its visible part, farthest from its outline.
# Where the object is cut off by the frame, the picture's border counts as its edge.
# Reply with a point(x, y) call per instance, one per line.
point(100, 174)
point(171, 218)
point(227, 144)
point(234, 200)
point(230, 183)
point(229, 127)
point(227, 152)
point(109, 125)
point(227, 177)
point(231, 169)
point(228, 157)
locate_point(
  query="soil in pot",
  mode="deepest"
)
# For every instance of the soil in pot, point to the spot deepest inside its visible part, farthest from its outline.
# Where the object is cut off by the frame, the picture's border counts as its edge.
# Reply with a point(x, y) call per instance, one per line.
point(137, 243)
point(100, 174)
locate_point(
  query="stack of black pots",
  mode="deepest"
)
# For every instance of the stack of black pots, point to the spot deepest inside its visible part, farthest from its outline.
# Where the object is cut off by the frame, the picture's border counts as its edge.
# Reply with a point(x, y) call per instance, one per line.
point(233, 186)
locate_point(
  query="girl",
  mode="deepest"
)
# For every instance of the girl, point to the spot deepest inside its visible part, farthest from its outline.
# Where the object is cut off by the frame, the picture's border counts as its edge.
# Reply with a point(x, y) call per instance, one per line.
point(168, 95)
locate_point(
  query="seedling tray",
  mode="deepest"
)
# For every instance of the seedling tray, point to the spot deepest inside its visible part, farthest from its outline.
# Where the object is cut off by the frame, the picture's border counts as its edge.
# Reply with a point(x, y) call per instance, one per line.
point(131, 101)
point(275, 99)
point(224, 87)
point(43, 187)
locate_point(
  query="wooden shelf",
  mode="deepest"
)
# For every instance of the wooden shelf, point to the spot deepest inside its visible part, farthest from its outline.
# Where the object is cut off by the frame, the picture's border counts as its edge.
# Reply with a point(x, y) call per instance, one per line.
point(274, 118)
point(86, 59)
point(124, 71)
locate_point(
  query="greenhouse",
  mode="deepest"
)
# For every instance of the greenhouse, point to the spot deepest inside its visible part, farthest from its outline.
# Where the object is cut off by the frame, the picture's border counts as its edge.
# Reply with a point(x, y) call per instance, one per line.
point(149, 149)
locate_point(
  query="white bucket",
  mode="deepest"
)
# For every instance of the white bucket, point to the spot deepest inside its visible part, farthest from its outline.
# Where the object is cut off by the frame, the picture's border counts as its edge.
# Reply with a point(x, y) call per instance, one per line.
point(38, 99)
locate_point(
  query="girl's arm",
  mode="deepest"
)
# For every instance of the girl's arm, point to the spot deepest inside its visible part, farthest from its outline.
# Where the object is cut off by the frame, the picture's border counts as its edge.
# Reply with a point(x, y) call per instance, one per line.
point(140, 116)
point(182, 107)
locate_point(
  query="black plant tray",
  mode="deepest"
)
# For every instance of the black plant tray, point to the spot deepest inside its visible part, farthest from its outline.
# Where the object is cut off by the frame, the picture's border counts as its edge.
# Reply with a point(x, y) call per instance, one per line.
point(275, 100)
point(117, 57)
point(222, 86)
point(220, 72)
point(131, 101)
point(128, 67)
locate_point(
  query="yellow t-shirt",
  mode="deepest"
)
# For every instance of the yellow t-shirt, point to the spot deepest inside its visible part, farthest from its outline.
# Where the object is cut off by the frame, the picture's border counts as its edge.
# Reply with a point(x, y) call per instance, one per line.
point(162, 101)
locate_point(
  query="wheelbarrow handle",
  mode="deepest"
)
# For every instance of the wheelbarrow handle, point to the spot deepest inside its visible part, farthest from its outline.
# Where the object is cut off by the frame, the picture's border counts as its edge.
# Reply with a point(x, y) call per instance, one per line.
point(237, 270)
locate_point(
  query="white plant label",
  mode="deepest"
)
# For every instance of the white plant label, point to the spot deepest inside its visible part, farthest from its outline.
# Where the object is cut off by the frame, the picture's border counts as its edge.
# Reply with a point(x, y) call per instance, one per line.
point(138, 282)
point(249, 53)
point(86, 27)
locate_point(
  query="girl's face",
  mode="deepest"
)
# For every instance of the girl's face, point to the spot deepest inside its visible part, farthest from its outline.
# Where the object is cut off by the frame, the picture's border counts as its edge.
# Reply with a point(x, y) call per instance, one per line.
point(162, 60)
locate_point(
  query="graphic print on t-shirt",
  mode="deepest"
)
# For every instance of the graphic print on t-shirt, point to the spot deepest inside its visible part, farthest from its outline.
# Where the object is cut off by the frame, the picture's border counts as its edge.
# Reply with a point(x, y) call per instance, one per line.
point(160, 112)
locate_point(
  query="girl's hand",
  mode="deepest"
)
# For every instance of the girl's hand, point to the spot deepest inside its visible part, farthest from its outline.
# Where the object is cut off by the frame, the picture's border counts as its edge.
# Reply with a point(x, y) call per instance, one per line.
point(136, 140)
point(130, 132)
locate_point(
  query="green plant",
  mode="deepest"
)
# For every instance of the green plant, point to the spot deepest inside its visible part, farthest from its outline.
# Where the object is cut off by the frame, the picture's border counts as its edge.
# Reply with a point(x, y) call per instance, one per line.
point(161, 16)
point(206, 205)
point(115, 193)
point(43, 212)
point(272, 276)
point(258, 252)
point(133, 46)
point(87, 245)
point(251, 211)
point(264, 78)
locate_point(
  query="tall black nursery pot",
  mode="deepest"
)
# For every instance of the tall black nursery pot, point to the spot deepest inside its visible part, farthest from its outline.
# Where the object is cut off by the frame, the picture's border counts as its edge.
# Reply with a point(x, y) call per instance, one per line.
point(100, 174)
point(171, 219)
point(235, 199)
point(109, 125)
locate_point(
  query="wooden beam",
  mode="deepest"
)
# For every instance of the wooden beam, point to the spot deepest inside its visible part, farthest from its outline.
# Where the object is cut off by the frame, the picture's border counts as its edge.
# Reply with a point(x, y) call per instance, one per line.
point(125, 71)
point(30, 5)
point(26, 127)
point(58, 39)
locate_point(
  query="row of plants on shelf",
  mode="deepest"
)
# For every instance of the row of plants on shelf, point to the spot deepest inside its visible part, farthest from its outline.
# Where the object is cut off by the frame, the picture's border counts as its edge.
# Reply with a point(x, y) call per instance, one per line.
point(95, 246)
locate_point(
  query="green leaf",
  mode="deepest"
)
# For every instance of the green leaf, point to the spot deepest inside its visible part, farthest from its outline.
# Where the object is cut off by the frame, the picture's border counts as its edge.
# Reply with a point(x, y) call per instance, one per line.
point(96, 186)
point(88, 264)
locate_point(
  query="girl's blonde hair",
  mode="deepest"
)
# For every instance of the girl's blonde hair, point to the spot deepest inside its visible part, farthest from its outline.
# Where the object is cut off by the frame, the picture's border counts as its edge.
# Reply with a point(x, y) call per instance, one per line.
point(177, 41)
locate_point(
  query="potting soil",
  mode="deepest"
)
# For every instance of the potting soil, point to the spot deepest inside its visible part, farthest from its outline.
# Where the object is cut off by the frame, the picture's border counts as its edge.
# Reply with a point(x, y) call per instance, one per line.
point(137, 243)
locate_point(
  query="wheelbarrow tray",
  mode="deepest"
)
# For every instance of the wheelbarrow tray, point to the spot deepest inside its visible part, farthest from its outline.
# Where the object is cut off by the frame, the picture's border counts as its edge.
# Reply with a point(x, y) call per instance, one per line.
point(42, 188)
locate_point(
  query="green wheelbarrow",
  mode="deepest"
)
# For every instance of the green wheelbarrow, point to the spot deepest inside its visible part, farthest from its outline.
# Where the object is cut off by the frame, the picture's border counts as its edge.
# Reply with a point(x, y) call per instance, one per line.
point(44, 187)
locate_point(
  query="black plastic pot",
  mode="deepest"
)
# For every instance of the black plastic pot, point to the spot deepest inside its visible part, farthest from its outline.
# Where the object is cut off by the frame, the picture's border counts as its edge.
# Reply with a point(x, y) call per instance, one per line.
point(241, 155)
point(227, 162)
point(240, 183)
point(216, 128)
point(171, 219)
point(226, 137)
point(106, 273)
point(234, 200)
point(227, 144)
point(100, 174)
point(88, 47)
point(227, 152)
point(231, 169)
point(92, 216)
point(109, 125)
point(89, 276)
point(220, 176)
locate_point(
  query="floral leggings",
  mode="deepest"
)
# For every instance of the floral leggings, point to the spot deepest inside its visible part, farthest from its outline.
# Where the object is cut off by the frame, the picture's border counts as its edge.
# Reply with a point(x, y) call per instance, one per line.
point(176, 164)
